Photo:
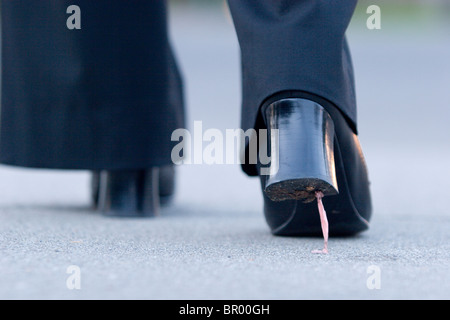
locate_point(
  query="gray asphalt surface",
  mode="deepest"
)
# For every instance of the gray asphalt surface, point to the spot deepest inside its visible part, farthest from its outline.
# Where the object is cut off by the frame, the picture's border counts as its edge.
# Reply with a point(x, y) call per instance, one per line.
point(212, 242)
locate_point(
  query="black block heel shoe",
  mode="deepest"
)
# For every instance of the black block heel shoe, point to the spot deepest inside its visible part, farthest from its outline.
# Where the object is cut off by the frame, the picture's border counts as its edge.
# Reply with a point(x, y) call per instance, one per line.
point(132, 193)
point(313, 149)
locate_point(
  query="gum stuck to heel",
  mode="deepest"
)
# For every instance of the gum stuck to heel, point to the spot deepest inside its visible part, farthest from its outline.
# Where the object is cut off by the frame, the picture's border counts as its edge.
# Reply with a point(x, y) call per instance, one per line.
point(323, 222)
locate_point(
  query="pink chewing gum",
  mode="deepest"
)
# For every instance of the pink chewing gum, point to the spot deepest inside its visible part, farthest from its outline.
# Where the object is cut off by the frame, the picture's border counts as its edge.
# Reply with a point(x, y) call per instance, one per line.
point(323, 222)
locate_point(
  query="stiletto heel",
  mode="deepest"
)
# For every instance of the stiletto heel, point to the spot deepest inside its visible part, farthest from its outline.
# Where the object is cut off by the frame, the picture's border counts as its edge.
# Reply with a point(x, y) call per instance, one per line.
point(316, 153)
point(304, 152)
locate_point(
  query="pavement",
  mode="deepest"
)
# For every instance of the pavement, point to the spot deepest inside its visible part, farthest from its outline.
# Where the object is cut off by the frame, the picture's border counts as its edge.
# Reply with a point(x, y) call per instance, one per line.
point(212, 242)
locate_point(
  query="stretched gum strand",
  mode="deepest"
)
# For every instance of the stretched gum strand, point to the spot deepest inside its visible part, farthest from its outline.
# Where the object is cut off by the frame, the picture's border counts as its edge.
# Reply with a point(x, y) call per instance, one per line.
point(323, 222)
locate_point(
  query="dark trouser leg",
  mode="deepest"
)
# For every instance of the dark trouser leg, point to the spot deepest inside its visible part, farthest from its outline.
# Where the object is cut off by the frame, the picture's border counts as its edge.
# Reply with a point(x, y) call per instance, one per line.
point(294, 45)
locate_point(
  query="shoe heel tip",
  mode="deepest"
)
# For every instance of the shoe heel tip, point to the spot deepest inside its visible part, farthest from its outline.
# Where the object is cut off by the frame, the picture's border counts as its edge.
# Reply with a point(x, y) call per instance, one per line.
point(299, 189)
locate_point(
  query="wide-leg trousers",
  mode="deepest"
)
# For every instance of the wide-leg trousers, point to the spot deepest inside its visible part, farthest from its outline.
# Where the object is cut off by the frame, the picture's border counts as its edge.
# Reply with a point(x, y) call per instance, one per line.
point(109, 94)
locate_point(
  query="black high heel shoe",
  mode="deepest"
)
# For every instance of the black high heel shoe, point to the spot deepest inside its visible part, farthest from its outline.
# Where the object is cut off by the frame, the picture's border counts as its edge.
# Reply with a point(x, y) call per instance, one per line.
point(132, 193)
point(316, 151)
